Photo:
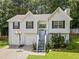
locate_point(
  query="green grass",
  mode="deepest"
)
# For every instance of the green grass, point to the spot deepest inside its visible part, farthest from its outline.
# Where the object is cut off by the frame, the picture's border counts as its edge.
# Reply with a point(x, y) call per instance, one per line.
point(3, 43)
point(72, 53)
point(57, 55)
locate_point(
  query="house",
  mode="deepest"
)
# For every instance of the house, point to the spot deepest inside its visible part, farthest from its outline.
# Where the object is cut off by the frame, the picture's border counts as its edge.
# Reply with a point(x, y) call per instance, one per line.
point(37, 28)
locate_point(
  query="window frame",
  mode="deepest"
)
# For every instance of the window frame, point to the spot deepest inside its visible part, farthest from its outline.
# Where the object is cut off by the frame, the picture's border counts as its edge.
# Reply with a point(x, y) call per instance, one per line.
point(57, 24)
point(42, 25)
point(16, 25)
point(28, 25)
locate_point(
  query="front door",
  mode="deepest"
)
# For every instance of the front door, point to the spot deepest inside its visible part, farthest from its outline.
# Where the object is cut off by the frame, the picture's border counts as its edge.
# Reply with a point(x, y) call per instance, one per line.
point(42, 34)
point(41, 40)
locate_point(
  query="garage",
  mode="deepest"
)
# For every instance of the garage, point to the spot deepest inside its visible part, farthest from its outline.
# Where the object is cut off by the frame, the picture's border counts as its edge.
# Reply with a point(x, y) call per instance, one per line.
point(29, 39)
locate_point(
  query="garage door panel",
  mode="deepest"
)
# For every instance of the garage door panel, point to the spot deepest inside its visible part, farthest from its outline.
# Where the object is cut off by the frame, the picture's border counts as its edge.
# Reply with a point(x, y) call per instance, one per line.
point(30, 39)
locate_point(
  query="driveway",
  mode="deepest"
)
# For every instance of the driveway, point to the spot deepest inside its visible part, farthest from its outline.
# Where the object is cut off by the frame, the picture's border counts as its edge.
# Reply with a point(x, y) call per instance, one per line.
point(17, 53)
point(13, 54)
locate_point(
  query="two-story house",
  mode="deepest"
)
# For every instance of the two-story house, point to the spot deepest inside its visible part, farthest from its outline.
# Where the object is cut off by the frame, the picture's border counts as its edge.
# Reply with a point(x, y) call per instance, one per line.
point(36, 28)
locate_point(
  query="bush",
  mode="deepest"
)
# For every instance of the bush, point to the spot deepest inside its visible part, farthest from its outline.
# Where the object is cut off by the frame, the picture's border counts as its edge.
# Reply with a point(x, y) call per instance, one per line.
point(71, 45)
point(57, 42)
point(47, 47)
point(34, 46)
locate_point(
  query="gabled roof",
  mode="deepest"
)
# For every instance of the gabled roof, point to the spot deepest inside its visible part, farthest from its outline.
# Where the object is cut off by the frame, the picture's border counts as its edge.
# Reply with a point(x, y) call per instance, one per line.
point(18, 17)
point(36, 16)
point(39, 16)
point(29, 12)
point(63, 13)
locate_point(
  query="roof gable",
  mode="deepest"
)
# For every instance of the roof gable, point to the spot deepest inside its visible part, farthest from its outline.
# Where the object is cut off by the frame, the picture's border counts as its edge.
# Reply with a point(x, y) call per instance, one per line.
point(29, 16)
point(60, 12)
point(28, 13)
point(16, 18)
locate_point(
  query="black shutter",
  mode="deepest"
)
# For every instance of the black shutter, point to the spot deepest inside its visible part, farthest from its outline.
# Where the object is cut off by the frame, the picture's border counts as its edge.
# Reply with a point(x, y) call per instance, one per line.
point(13, 25)
point(52, 24)
point(63, 24)
point(32, 24)
point(26, 24)
point(18, 25)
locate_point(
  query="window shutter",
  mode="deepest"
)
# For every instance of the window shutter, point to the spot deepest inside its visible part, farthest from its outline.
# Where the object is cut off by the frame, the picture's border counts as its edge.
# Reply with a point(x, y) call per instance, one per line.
point(63, 24)
point(52, 24)
point(18, 25)
point(32, 24)
point(13, 25)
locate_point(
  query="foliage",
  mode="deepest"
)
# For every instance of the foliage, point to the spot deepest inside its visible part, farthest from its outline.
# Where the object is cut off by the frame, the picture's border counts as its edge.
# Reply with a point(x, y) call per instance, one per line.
point(57, 42)
point(47, 47)
point(73, 43)
point(74, 5)
point(34, 46)
point(63, 53)
point(10, 8)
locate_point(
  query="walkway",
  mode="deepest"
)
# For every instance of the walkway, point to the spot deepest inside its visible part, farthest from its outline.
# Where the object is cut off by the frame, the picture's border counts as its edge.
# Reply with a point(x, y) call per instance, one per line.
point(13, 54)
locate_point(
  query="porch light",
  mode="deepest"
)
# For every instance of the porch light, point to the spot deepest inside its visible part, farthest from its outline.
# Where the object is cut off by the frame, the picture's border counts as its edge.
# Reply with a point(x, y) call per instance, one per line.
point(18, 32)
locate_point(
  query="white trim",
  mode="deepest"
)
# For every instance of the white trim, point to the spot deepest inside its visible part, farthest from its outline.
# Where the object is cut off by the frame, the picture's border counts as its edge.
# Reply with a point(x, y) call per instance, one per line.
point(37, 42)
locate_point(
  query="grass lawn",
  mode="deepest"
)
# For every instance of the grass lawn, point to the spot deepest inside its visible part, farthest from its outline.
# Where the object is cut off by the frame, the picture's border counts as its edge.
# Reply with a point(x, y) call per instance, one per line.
point(72, 53)
point(57, 55)
point(3, 43)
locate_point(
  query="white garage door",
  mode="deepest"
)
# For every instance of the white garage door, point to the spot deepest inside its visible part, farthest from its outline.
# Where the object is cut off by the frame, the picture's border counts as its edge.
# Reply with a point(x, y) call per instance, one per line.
point(30, 39)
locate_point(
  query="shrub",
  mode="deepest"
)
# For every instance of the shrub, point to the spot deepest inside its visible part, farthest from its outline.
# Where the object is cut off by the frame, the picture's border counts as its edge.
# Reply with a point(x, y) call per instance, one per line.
point(34, 46)
point(47, 47)
point(57, 42)
point(71, 45)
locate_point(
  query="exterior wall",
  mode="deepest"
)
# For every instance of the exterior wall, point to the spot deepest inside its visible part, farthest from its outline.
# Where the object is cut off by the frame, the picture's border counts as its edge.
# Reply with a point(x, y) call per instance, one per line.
point(29, 39)
point(28, 36)
point(24, 30)
point(59, 17)
point(29, 18)
point(13, 37)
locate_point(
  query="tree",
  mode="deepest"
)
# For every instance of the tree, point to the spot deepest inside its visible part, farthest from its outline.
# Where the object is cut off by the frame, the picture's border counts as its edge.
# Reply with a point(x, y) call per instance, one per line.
point(10, 8)
point(74, 14)
point(5, 13)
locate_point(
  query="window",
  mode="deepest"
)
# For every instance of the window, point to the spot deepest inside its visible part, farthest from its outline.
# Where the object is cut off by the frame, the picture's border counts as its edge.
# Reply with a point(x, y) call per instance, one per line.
point(16, 25)
point(58, 24)
point(42, 25)
point(29, 24)
point(62, 24)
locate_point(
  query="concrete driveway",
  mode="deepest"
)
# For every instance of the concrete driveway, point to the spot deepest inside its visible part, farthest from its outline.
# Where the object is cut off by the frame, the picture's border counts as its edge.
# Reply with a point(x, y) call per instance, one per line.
point(13, 54)
point(17, 53)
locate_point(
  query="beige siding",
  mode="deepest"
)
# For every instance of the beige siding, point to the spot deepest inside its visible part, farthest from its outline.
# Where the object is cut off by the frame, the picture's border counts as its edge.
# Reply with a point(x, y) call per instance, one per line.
point(29, 39)
point(59, 17)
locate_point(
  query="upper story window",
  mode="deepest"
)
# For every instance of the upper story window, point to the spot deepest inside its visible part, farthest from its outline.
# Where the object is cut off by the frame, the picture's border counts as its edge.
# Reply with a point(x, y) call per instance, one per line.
point(42, 25)
point(29, 24)
point(16, 25)
point(58, 24)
